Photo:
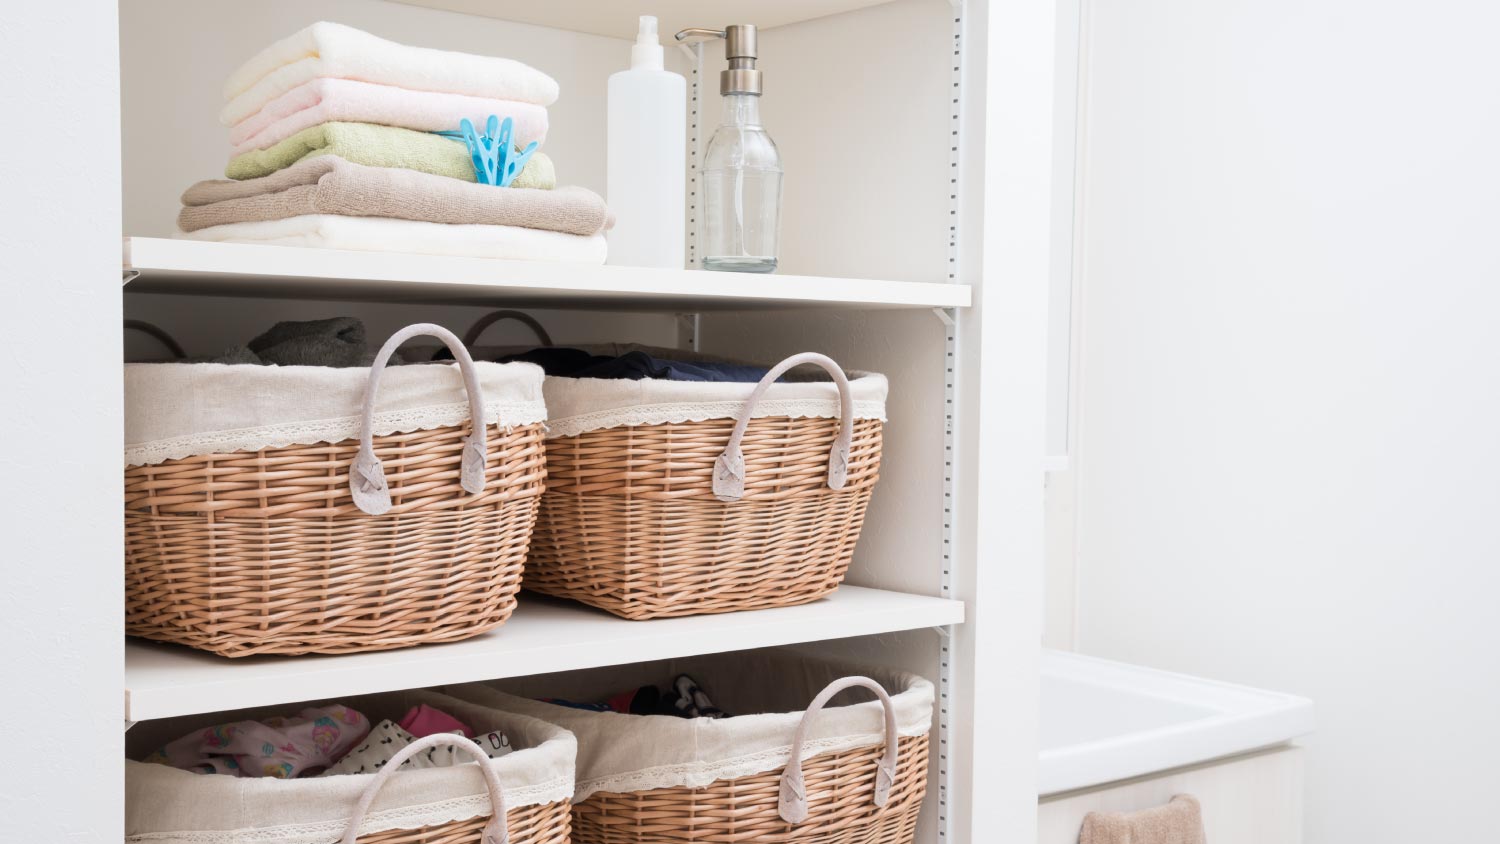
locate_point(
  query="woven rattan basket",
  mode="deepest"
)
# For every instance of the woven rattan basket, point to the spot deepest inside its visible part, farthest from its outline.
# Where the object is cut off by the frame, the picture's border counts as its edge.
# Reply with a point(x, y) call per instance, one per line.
point(351, 544)
point(853, 774)
point(733, 512)
point(528, 789)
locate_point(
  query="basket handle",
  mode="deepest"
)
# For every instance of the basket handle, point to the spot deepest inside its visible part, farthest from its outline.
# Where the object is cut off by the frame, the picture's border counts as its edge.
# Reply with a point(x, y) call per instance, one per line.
point(472, 335)
point(792, 804)
point(366, 477)
point(495, 832)
point(157, 333)
point(729, 468)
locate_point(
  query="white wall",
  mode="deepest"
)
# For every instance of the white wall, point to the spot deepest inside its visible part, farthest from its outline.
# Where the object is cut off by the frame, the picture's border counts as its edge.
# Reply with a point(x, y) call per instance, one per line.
point(1290, 443)
point(60, 607)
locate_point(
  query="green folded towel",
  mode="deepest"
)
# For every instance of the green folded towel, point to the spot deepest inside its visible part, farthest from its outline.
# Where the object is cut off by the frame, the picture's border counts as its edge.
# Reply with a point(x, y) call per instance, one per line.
point(381, 146)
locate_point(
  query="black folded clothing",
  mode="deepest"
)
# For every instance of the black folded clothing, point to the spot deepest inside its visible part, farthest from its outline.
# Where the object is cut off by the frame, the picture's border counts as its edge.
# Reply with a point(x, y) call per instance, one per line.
point(634, 366)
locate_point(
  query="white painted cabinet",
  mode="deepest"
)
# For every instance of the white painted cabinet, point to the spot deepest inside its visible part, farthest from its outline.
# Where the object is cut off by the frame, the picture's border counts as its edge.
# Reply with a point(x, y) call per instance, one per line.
point(1250, 799)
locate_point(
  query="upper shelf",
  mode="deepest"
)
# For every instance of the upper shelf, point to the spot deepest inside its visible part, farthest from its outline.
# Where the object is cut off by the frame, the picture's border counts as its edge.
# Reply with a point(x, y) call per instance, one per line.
point(542, 636)
point(165, 265)
point(618, 20)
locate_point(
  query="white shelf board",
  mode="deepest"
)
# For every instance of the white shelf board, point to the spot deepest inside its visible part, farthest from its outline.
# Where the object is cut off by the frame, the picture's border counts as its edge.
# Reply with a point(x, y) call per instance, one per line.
point(543, 636)
point(165, 265)
point(618, 20)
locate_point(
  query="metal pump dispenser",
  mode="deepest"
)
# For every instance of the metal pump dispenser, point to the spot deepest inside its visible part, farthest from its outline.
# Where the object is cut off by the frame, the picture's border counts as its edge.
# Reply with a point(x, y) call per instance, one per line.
point(741, 77)
point(741, 166)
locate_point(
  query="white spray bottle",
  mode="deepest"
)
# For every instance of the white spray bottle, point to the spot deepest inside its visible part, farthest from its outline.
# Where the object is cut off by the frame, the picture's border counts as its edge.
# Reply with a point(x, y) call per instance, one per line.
point(647, 158)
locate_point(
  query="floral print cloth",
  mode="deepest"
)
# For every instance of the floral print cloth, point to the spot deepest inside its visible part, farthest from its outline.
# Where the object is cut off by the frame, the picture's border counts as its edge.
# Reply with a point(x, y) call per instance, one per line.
point(278, 747)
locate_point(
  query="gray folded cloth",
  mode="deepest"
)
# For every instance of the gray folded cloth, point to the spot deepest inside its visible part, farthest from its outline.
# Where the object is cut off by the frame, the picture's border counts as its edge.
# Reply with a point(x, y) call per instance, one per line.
point(320, 342)
point(1178, 822)
point(328, 184)
point(337, 342)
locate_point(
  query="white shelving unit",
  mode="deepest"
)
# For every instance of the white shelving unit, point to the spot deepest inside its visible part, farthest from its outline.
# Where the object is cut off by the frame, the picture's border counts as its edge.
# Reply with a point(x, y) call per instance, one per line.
point(541, 637)
point(917, 139)
point(163, 265)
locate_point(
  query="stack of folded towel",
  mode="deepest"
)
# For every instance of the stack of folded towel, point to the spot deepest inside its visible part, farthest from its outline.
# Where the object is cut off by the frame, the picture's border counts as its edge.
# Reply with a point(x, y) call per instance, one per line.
point(334, 145)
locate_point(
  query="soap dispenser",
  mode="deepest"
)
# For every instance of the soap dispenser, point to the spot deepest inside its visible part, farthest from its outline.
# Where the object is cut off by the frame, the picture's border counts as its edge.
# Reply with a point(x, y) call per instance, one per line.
point(741, 171)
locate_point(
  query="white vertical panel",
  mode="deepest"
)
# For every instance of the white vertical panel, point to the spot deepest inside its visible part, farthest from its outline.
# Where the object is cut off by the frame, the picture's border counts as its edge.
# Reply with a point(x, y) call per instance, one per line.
point(60, 609)
point(1002, 400)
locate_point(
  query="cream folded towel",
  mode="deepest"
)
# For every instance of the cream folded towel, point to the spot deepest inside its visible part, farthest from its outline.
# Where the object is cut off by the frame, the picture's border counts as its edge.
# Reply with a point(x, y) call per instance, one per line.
point(324, 100)
point(376, 234)
point(334, 50)
point(1178, 822)
point(381, 146)
point(328, 184)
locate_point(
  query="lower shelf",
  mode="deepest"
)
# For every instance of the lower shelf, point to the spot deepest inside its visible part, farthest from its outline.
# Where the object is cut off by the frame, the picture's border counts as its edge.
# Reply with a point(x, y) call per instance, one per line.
point(543, 635)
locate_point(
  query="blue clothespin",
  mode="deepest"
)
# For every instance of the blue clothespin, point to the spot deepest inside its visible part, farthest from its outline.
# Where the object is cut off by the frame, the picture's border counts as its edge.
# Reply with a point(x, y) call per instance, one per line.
point(496, 161)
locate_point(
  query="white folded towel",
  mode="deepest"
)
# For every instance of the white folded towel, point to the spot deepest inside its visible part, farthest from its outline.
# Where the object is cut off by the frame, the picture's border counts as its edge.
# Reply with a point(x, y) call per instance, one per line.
point(377, 234)
point(334, 50)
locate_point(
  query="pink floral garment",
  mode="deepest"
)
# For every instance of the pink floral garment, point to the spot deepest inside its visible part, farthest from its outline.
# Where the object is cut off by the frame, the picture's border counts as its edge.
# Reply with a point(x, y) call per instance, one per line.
point(275, 747)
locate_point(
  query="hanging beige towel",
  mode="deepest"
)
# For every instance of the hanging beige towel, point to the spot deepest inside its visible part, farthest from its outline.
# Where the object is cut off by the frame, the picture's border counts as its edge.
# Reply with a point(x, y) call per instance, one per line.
point(328, 184)
point(1178, 822)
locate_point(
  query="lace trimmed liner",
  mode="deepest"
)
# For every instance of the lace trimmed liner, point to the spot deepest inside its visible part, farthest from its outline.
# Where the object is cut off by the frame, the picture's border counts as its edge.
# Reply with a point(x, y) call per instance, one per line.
point(329, 431)
point(579, 405)
point(177, 410)
point(405, 817)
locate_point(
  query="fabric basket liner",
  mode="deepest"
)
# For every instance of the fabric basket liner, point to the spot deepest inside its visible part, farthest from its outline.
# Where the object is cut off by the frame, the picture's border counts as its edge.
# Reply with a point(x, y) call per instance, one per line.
point(174, 411)
point(578, 405)
point(627, 753)
point(166, 805)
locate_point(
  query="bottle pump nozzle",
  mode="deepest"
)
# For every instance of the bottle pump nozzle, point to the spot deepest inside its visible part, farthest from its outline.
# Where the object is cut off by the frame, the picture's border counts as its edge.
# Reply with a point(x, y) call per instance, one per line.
point(646, 52)
point(741, 77)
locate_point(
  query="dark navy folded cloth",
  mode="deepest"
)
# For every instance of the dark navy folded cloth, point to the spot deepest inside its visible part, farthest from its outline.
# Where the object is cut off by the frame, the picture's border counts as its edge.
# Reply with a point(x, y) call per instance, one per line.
point(633, 366)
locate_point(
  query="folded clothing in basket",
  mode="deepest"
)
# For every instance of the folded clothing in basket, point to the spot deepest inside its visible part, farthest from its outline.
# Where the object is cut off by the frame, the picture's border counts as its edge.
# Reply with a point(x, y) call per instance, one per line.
point(633, 366)
point(388, 738)
point(320, 741)
point(378, 234)
point(336, 51)
point(273, 747)
point(381, 146)
point(329, 184)
point(322, 100)
point(683, 699)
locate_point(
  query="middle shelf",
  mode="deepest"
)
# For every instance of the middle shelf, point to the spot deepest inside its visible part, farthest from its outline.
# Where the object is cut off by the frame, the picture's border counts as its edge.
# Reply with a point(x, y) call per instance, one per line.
point(166, 265)
point(544, 635)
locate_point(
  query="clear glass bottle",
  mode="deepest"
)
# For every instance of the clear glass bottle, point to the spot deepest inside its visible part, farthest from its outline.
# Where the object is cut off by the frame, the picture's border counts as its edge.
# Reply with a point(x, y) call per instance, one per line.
point(741, 191)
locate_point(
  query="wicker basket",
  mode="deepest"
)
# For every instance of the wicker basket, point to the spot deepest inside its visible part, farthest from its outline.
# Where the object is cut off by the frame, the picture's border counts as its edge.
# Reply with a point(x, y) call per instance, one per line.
point(528, 790)
point(707, 515)
point(854, 774)
point(312, 546)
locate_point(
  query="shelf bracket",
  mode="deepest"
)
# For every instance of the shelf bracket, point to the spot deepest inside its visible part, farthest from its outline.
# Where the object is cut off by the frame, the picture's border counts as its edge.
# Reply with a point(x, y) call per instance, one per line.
point(689, 331)
point(127, 276)
point(945, 316)
point(129, 724)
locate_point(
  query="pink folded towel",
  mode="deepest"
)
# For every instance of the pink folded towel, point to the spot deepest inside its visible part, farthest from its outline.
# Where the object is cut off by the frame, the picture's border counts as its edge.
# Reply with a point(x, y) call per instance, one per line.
point(1178, 822)
point(324, 99)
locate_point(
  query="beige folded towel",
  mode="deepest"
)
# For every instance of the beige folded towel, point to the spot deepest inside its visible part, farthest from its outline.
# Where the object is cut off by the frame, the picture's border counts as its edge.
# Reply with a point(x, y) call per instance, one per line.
point(330, 185)
point(1178, 822)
